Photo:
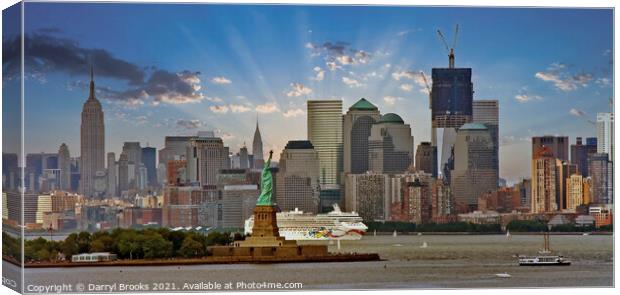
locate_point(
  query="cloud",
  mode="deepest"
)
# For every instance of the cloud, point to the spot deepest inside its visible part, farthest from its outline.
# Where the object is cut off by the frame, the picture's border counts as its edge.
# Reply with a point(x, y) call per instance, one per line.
point(577, 113)
point(266, 108)
point(524, 96)
point(298, 89)
point(238, 108)
point(214, 99)
point(46, 53)
point(319, 74)
point(407, 32)
point(391, 100)
point(351, 82)
point(293, 113)
point(339, 54)
point(603, 82)
point(219, 109)
point(557, 74)
point(406, 87)
point(140, 120)
point(404, 75)
point(189, 124)
point(221, 80)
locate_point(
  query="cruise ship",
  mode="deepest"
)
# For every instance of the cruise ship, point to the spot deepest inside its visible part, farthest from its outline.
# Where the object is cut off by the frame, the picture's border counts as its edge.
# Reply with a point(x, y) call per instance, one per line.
point(335, 225)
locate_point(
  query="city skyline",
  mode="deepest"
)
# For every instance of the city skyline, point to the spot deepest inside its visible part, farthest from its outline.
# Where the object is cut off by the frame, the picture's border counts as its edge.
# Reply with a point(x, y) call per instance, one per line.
point(217, 74)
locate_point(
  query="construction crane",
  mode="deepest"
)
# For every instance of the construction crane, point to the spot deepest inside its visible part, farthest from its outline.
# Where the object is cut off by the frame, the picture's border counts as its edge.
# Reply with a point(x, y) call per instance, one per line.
point(448, 48)
point(430, 95)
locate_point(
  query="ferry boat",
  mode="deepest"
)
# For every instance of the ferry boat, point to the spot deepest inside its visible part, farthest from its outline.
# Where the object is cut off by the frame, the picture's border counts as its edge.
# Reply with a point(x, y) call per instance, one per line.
point(545, 257)
point(335, 225)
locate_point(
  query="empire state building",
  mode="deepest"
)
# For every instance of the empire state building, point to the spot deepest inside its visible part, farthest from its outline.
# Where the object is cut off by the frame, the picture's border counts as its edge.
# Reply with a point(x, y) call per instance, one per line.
point(92, 142)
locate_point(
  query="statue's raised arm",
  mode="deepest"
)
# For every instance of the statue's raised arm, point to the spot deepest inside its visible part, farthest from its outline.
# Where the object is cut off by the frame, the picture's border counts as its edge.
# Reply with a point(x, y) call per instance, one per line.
point(266, 187)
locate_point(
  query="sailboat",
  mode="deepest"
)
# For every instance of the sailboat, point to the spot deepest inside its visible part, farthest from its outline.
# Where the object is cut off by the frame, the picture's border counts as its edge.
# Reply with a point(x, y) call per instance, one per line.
point(508, 236)
point(424, 245)
point(394, 234)
point(374, 234)
point(545, 257)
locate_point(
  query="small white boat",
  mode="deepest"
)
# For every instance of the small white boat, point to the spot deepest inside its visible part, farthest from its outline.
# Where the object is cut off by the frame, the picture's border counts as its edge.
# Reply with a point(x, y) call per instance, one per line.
point(585, 234)
point(508, 236)
point(374, 234)
point(503, 275)
point(419, 234)
point(394, 234)
point(397, 245)
point(424, 245)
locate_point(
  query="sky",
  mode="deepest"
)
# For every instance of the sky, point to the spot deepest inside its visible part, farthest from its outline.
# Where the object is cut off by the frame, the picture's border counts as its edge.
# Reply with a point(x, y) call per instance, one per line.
point(175, 69)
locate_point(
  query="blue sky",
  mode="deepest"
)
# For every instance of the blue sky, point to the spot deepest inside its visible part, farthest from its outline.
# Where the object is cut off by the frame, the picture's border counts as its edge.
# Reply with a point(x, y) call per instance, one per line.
point(176, 69)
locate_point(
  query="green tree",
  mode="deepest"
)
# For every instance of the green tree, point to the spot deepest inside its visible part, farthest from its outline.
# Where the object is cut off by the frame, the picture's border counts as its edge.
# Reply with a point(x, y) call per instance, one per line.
point(156, 247)
point(192, 248)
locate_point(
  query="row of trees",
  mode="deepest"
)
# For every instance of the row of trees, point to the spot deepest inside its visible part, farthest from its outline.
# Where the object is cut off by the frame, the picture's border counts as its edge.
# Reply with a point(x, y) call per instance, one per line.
point(538, 226)
point(389, 226)
point(126, 243)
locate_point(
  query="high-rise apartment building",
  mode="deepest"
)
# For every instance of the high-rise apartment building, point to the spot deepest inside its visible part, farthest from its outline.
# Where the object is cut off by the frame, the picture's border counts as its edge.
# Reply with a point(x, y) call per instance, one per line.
point(326, 135)
point(92, 142)
point(574, 191)
point(544, 181)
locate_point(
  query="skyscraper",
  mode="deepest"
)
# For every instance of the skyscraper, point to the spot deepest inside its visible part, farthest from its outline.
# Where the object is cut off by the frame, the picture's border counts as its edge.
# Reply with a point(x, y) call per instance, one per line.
point(243, 158)
point(574, 191)
point(112, 175)
point(64, 164)
point(544, 181)
point(601, 172)
point(487, 113)
point(257, 149)
point(451, 106)
point(579, 154)
point(557, 146)
point(390, 145)
point(134, 159)
point(297, 184)
point(325, 133)
point(425, 156)
point(206, 156)
point(123, 173)
point(148, 159)
point(92, 141)
point(357, 124)
point(605, 134)
point(474, 170)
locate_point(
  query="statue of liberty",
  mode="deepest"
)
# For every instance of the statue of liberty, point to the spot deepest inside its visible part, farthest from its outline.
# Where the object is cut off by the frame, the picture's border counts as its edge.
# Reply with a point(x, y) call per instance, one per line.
point(266, 186)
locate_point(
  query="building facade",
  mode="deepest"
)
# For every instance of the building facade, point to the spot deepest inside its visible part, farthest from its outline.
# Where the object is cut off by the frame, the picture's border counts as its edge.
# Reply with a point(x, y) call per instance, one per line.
point(390, 145)
point(297, 184)
point(92, 142)
point(326, 135)
point(357, 124)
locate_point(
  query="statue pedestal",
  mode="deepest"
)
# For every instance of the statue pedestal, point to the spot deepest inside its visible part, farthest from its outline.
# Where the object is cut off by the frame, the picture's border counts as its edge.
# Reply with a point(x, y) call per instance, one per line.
point(265, 232)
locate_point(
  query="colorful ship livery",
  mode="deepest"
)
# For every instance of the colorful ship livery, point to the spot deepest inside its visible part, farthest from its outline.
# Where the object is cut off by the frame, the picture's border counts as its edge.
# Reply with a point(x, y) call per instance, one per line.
point(335, 225)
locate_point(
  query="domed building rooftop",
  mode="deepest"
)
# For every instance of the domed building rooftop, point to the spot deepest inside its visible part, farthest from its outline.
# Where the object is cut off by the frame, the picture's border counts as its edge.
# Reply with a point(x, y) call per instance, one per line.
point(363, 105)
point(391, 118)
